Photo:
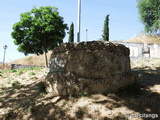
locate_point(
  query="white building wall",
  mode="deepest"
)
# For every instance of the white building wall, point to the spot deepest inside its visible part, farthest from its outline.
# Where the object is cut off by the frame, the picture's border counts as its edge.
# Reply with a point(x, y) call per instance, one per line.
point(133, 51)
point(136, 50)
point(154, 50)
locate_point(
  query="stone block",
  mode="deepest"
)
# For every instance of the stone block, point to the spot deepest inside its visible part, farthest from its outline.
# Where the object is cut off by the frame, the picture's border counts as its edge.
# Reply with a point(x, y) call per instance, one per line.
point(92, 67)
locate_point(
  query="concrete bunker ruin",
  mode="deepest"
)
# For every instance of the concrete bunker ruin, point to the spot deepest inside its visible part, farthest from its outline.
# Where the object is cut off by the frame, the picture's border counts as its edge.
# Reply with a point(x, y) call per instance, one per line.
point(91, 67)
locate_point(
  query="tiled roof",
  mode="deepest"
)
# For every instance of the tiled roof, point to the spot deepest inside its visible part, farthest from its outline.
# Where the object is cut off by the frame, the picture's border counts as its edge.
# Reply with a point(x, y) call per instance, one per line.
point(144, 39)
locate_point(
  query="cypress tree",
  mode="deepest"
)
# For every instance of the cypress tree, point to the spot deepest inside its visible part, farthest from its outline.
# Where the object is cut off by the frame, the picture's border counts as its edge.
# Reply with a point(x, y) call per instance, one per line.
point(105, 35)
point(71, 33)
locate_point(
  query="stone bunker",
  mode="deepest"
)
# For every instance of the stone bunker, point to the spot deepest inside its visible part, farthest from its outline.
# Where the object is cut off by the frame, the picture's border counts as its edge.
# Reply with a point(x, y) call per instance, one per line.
point(88, 67)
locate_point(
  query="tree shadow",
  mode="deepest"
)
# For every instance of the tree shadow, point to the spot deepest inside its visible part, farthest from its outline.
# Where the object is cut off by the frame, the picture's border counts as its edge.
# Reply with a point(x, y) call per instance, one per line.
point(27, 102)
point(139, 97)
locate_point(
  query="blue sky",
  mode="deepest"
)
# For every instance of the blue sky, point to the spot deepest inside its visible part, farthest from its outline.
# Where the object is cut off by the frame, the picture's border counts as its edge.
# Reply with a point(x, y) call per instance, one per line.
point(124, 19)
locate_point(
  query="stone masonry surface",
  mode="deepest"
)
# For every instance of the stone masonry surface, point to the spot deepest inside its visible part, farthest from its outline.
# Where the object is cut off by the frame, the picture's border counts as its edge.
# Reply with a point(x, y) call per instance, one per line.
point(90, 67)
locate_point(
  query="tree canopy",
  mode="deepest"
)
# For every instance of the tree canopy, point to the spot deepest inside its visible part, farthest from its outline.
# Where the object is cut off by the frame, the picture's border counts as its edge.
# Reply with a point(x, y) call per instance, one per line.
point(39, 30)
point(149, 11)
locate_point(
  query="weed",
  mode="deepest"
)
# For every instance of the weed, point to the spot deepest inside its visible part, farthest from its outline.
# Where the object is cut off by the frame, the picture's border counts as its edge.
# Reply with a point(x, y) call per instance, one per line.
point(8, 71)
point(83, 93)
point(16, 84)
point(19, 72)
point(64, 103)
point(32, 73)
point(11, 71)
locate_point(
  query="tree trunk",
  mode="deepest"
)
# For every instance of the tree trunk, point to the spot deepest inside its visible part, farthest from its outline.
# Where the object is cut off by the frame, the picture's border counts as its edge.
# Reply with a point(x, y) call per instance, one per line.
point(45, 58)
point(45, 54)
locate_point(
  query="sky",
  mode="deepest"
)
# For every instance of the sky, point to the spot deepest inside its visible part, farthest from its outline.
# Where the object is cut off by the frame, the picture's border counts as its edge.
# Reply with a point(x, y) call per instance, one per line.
point(124, 20)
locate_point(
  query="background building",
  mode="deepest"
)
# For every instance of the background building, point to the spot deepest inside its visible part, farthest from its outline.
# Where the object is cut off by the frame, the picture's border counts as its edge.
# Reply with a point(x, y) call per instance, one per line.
point(143, 46)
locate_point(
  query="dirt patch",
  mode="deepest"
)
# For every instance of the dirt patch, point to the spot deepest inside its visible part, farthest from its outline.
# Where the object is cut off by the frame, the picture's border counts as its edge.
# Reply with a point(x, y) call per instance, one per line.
point(24, 101)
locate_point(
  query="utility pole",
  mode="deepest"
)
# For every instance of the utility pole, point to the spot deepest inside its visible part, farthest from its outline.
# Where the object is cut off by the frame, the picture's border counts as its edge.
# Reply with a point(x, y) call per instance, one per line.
point(5, 47)
point(79, 20)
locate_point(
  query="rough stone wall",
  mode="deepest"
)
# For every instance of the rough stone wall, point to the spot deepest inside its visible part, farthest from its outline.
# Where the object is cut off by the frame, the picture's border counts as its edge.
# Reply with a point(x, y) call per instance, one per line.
point(92, 67)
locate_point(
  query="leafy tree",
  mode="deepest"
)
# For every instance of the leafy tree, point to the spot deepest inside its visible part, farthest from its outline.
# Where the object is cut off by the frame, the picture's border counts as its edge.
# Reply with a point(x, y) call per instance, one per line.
point(71, 33)
point(105, 35)
point(149, 11)
point(39, 31)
